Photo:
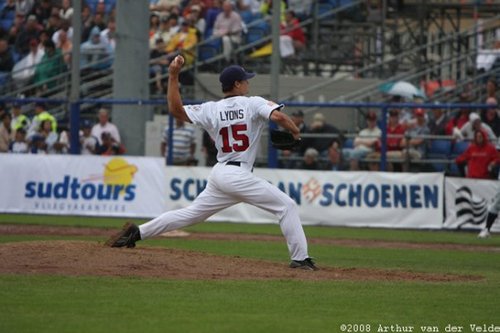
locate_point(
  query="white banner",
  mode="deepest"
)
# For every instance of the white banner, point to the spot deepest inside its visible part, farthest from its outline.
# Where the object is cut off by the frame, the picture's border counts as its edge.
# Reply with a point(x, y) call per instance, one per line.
point(467, 202)
point(331, 198)
point(82, 185)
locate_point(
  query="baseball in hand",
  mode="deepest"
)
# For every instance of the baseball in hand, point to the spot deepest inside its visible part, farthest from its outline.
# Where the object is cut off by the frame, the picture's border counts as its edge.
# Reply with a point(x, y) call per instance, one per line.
point(179, 60)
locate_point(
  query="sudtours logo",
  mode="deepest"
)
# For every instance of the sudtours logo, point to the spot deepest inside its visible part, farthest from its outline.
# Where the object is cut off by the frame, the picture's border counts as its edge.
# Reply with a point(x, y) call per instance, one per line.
point(95, 192)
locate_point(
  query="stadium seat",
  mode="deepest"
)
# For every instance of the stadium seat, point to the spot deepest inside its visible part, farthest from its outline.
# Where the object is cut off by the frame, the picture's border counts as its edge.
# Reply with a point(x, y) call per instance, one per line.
point(459, 147)
point(439, 149)
point(348, 143)
point(254, 34)
point(206, 52)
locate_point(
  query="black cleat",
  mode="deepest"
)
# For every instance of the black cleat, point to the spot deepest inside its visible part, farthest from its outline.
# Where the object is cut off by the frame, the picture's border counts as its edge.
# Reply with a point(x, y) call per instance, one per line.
point(126, 237)
point(306, 264)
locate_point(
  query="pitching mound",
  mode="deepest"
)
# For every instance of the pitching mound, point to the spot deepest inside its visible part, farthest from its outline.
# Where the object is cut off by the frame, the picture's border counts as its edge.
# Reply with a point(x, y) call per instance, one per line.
point(92, 258)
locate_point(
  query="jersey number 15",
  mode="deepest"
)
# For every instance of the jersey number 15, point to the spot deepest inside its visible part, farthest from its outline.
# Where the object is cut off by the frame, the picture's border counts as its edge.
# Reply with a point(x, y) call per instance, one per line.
point(240, 141)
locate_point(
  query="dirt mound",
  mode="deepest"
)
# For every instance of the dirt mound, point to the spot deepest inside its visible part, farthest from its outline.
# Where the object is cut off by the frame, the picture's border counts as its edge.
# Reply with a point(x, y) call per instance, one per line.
point(92, 258)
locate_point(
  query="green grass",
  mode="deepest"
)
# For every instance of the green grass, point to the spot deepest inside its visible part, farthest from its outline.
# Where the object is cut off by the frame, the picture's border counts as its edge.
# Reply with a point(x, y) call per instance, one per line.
point(31, 303)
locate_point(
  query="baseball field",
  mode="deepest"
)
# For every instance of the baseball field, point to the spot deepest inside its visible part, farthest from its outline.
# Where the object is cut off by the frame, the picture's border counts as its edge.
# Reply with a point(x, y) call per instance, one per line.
point(56, 276)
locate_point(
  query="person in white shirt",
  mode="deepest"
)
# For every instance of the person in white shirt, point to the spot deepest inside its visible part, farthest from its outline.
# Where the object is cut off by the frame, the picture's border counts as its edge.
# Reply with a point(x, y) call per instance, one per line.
point(364, 143)
point(236, 123)
point(474, 124)
point(105, 126)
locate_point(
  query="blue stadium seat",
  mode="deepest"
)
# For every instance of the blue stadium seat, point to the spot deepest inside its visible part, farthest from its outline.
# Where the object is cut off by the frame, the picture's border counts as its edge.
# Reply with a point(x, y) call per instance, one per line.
point(206, 52)
point(348, 143)
point(6, 24)
point(254, 34)
point(459, 147)
point(439, 149)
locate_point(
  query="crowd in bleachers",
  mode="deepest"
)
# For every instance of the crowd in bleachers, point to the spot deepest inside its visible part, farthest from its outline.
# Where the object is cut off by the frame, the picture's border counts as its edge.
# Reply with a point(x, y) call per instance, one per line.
point(462, 142)
point(35, 47)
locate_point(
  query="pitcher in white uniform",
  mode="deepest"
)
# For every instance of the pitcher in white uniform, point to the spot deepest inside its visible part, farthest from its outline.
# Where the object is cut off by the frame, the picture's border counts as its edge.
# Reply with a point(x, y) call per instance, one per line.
point(235, 123)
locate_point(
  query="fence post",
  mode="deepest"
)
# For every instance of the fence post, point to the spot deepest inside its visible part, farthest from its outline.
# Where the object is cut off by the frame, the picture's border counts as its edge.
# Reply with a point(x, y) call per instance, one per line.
point(383, 144)
point(74, 131)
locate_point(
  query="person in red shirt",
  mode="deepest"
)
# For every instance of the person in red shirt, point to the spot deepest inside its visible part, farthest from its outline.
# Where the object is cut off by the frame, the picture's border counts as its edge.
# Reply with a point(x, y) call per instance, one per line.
point(395, 135)
point(291, 28)
point(480, 156)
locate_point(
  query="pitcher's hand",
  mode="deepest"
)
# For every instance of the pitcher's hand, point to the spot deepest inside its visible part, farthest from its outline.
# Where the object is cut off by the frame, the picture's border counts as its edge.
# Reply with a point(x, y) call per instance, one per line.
point(176, 65)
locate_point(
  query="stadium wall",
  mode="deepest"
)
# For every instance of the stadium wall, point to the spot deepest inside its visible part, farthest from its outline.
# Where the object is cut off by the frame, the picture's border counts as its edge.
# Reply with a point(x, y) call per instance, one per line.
point(129, 186)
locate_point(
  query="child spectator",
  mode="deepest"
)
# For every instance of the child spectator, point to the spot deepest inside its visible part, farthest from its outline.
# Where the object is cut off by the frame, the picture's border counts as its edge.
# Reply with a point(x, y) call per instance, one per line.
point(19, 145)
point(89, 143)
point(109, 146)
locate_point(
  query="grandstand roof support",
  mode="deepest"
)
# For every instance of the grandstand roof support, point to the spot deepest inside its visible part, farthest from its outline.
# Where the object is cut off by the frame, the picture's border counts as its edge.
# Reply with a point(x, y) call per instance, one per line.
point(75, 79)
point(275, 56)
point(131, 73)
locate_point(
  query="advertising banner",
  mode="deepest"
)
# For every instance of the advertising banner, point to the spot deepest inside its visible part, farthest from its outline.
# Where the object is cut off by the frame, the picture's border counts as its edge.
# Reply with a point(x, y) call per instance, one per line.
point(82, 185)
point(331, 198)
point(467, 202)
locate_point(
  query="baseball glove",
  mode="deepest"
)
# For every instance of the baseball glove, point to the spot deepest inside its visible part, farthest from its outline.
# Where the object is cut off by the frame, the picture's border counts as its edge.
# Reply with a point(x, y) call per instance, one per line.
point(283, 140)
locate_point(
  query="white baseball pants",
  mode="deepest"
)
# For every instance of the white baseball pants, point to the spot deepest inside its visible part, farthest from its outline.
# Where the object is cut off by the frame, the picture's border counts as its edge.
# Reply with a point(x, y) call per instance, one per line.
point(228, 185)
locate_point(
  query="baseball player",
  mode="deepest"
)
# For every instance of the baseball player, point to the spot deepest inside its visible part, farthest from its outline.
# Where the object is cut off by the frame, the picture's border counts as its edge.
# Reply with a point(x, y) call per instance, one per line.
point(493, 210)
point(235, 123)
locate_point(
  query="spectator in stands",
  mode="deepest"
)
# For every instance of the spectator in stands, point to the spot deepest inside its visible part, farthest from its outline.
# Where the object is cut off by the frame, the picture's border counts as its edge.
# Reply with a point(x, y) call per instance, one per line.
point(24, 70)
point(474, 124)
point(19, 145)
point(37, 145)
point(457, 121)
point(109, 146)
point(159, 64)
point(168, 28)
point(491, 88)
point(183, 43)
point(95, 53)
point(30, 31)
point(319, 126)
point(66, 11)
point(5, 132)
point(154, 26)
point(437, 123)
point(209, 150)
point(183, 143)
point(66, 46)
point(301, 8)
point(480, 157)
point(50, 136)
point(395, 133)
point(8, 10)
point(310, 160)
point(364, 143)
point(100, 9)
point(191, 5)
point(65, 27)
point(229, 26)
point(413, 144)
point(42, 10)
point(292, 39)
point(19, 120)
point(97, 21)
point(104, 125)
point(166, 7)
point(211, 16)
point(53, 25)
point(491, 116)
point(87, 22)
point(6, 59)
point(89, 143)
point(108, 35)
point(197, 20)
point(335, 160)
point(251, 6)
point(42, 37)
point(51, 65)
point(23, 7)
point(41, 115)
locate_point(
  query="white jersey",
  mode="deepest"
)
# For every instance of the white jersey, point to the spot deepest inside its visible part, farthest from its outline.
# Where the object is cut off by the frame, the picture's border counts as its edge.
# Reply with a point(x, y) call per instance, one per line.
point(235, 124)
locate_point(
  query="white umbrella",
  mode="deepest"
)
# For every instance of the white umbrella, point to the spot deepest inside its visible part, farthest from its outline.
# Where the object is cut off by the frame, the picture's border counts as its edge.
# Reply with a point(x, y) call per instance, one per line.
point(403, 89)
